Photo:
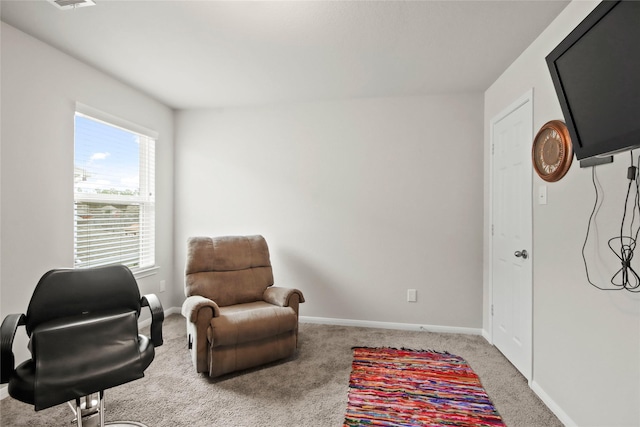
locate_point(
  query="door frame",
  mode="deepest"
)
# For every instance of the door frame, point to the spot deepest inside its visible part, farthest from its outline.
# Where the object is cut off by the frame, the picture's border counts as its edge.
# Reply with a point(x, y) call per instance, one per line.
point(522, 100)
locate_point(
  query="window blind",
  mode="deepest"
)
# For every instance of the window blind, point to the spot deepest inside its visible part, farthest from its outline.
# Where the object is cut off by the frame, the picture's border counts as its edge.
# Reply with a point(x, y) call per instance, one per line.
point(114, 195)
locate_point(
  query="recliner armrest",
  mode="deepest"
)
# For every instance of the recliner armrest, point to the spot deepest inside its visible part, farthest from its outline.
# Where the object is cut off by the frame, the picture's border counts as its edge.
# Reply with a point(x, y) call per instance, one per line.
point(7, 333)
point(157, 316)
point(281, 296)
point(194, 303)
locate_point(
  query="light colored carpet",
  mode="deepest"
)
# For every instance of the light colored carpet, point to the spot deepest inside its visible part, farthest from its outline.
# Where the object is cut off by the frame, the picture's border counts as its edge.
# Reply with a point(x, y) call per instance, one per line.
point(308, 390)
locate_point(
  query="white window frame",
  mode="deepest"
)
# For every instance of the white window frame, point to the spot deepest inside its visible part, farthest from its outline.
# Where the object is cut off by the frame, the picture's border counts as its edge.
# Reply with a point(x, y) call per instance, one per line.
point(146, 198)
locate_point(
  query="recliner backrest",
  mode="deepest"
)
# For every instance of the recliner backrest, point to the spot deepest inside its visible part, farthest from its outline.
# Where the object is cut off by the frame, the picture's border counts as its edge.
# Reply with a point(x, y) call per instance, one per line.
point(65, 293)
point(228, 270)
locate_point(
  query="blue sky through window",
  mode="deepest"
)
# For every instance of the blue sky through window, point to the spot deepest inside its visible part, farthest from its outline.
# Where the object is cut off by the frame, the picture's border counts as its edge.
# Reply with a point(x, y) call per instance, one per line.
point(107, 158)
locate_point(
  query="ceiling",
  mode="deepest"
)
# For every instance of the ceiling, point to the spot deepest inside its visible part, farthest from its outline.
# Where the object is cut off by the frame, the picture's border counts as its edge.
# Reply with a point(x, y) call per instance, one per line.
point(200, 54)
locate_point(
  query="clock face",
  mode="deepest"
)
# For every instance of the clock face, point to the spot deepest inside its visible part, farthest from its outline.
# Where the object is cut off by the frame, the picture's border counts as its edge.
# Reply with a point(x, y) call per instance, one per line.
point(552, 152)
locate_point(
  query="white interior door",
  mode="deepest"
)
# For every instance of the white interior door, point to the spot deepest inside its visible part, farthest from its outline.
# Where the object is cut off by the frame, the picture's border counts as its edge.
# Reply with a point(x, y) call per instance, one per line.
point(511, 257)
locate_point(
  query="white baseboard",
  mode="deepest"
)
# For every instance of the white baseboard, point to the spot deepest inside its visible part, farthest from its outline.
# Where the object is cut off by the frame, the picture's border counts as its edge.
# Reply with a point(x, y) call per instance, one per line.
point(552, 405)
point(390, 325)
point(487, 336)
point(172, 310)
point(366, 324)
point(3, 392)
point(167, 312)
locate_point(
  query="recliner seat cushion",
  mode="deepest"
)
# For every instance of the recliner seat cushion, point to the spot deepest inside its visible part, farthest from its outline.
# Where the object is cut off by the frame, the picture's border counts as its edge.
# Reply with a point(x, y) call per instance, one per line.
point(254, 321)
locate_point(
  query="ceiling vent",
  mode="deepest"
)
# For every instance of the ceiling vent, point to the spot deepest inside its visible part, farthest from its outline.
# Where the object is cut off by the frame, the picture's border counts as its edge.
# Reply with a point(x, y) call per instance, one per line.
point(71, 4)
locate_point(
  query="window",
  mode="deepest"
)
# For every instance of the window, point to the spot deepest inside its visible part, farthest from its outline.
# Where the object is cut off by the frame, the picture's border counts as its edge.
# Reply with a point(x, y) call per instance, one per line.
point(114, 193)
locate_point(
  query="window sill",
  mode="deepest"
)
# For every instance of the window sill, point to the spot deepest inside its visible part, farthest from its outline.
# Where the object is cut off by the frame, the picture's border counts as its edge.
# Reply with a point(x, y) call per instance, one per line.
point(145, 272)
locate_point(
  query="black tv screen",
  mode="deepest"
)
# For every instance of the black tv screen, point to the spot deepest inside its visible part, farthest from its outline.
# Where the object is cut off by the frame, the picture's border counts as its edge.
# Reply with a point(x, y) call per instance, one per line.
point(596, 74)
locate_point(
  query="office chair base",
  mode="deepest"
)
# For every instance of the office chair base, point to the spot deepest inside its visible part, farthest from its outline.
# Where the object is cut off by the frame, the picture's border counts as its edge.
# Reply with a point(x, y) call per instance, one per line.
point(92, 413)
point(125, 424)
point(96, 423)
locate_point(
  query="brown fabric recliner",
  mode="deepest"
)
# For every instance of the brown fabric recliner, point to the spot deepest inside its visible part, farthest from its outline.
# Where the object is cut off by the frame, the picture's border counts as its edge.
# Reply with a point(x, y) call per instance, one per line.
point(236, 318)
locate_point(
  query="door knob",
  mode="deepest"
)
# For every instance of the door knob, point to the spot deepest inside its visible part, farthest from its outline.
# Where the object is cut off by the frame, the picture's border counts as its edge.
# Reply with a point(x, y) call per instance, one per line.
point(522, 254)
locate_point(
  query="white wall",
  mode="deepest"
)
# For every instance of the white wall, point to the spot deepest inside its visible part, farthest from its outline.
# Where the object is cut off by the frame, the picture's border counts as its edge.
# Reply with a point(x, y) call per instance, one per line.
point(40, 86)
point(359, 201)
point(586, 342)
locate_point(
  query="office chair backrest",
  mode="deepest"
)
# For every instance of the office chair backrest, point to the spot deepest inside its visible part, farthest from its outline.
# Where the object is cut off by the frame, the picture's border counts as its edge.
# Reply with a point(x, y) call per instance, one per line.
point(65, 293)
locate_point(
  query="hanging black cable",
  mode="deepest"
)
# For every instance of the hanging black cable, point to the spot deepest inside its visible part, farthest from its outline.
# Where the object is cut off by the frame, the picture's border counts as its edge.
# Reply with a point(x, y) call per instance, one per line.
point(626, 277)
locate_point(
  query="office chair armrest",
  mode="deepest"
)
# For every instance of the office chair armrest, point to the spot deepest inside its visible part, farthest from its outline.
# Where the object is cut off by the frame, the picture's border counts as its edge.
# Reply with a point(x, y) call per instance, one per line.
point(282, 296)
point(193, 304)
point(157, 316)
point(7, 333)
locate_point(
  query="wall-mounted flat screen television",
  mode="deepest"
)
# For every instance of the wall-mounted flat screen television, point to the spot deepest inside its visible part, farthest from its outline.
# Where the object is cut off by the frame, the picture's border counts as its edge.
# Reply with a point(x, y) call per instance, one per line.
point(596, 74)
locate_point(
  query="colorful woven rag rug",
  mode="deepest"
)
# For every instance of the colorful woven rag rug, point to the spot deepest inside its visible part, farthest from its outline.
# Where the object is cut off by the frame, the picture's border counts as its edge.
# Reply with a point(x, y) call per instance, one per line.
point(396, 387)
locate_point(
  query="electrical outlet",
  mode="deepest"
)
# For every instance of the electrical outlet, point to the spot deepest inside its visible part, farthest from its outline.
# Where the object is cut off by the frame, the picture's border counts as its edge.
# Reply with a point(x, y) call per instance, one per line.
point(163, 285)
point(412, 295)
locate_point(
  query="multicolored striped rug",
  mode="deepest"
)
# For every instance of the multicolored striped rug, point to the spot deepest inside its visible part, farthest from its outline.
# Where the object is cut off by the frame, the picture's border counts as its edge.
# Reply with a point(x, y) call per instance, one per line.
point(397, 387)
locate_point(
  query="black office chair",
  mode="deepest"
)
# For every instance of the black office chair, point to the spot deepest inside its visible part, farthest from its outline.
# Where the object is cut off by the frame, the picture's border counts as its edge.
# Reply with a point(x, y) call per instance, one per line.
point(83, 329)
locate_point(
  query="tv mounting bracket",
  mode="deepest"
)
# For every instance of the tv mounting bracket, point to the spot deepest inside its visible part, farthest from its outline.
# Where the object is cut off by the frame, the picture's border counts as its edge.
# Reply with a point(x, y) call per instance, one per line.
point(595, 161)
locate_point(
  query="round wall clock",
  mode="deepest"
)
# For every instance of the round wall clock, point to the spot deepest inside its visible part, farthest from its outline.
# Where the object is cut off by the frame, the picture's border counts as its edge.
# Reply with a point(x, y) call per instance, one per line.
point(552, 152)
